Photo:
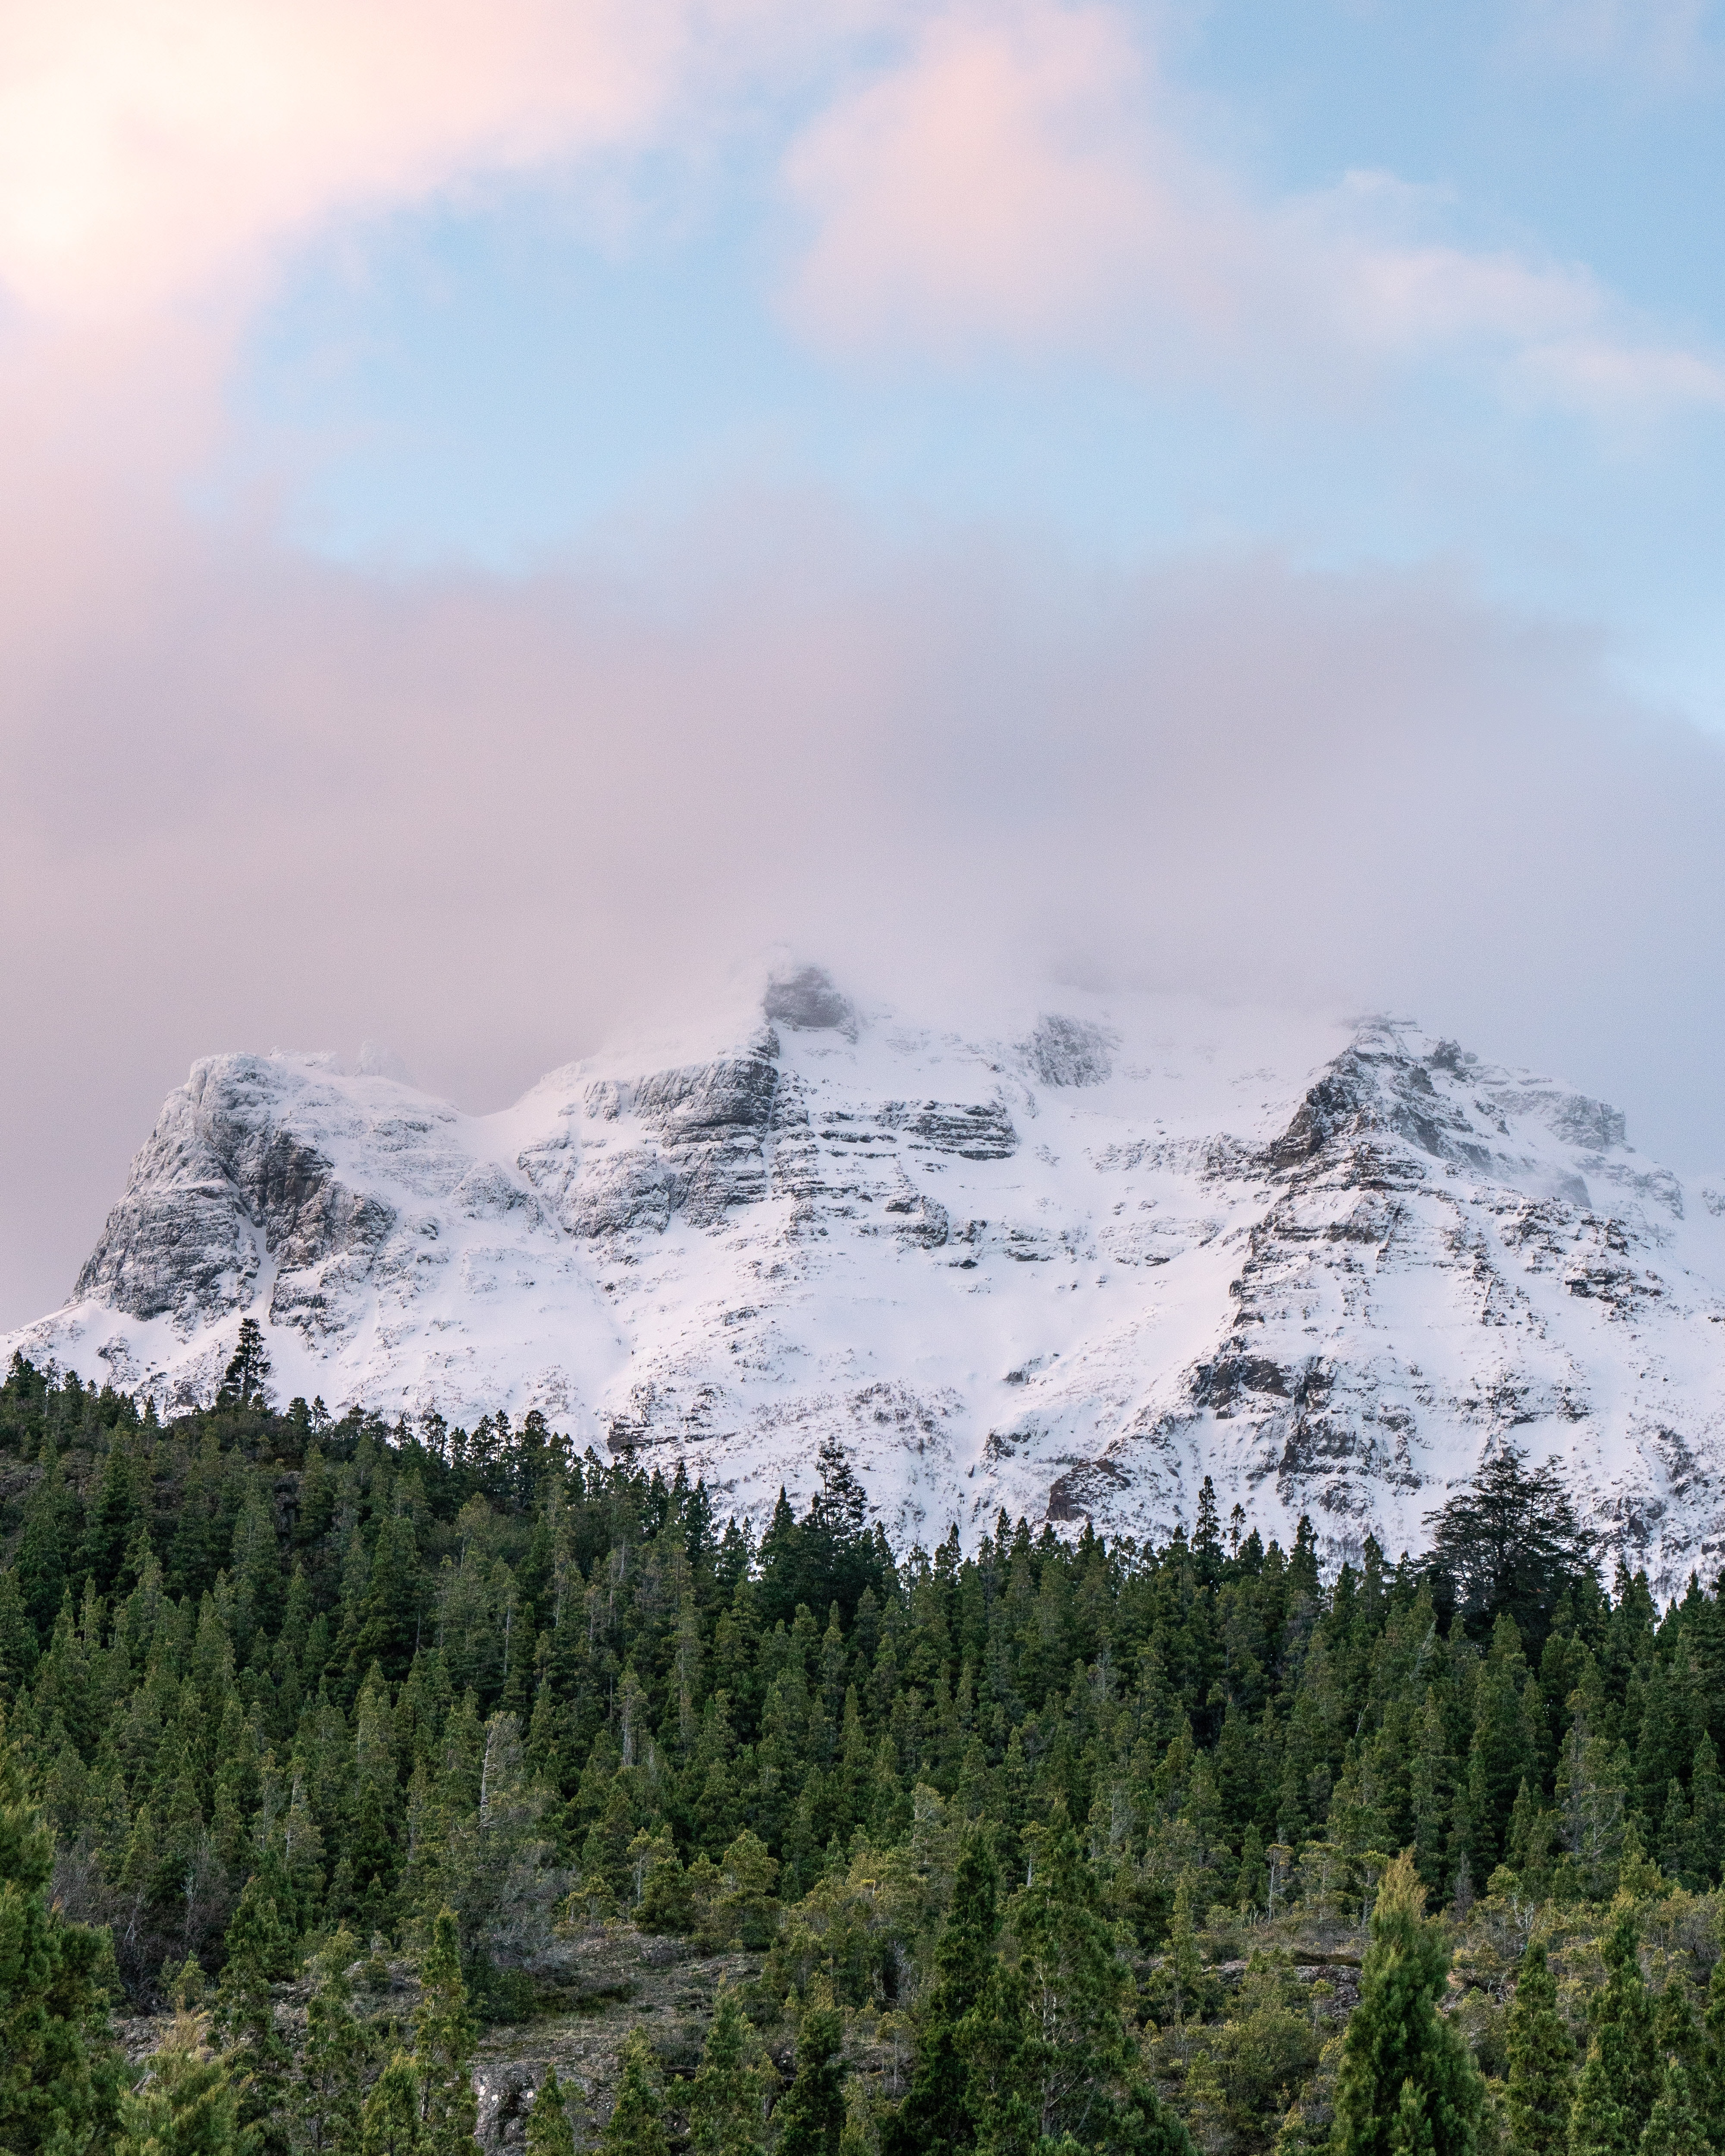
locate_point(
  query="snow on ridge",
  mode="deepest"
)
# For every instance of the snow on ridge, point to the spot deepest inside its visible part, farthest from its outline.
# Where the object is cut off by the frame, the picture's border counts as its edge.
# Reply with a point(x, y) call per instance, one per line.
point(1065, 1262)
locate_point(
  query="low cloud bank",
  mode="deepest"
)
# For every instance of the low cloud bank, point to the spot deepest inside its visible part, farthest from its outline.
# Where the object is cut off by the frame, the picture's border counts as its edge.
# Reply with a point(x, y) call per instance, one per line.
point(253, 800)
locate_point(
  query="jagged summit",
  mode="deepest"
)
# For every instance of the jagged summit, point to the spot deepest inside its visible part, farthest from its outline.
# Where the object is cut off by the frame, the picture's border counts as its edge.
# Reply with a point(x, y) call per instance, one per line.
point(808, 1000)
point(1067, 1263)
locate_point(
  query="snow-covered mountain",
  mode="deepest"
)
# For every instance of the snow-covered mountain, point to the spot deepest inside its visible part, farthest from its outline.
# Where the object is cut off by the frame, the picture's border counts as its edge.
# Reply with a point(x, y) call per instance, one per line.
point(1067, 1264)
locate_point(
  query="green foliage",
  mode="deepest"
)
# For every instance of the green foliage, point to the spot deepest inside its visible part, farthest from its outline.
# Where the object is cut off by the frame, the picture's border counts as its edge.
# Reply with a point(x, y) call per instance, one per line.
point(59, 2074)
point(728, 2096)
point(327, 2091)
point(1674, 2126)
point(1619, 2077)
point(636, 2126)
point(549, 2132)
point(1511, 1544)
point(809, 2117)
point(186, 2105)
point(1541, 2085)
point(1074, 2055)
point(280, 1673)
point(258, 1951)
point(443, 2046)
point(938, 2116)
point(1406, 2079)
point(390, 2121)
point(245, 1382)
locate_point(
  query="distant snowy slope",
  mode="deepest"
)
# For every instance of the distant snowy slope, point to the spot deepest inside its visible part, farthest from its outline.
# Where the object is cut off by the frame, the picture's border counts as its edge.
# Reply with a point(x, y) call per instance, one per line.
point(1065, 1262)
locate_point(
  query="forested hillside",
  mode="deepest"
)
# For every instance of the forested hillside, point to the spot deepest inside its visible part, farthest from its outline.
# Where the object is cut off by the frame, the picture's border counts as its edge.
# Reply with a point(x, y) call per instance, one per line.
point(1053, 1844)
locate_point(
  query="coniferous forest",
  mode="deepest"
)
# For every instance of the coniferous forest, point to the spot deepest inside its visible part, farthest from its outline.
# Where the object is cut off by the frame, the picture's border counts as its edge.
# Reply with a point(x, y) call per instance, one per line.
point(333, 1747)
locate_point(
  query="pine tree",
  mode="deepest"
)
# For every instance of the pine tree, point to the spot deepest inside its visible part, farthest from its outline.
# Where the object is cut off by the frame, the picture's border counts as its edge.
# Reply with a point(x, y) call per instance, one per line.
point(1542, 2062)
point(1410, 2132)
point(1185, 1967)
point(810, 2114)
point(327, 2096)
point(442, 2045)
point(1619, 2080)
point(110, 1523)
point(938, 2118)
point(245, 1382)
point(636, 2126)
point(258, 1951)
point(1673, 2127)
point(1499, 1757)
point(186, 2106)
point(549, 2133)
point(42, 1554)
point(998, 2044)
point(19, 1647)
point(1707, 1814)
point(1709, 2090)
point(1077, 2056)
point(390, 2123)
point(1143, 2125)
point(1510, 1541)
point(727, 2097)
point(1397, 2036)
point(60, 2076)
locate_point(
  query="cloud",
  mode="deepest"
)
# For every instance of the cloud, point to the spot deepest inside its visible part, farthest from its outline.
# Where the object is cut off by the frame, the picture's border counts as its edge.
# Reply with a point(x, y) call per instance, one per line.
point(969, 176)
point(146, 152)
point(253, 799)
point(1661, 43)
point(996, 181)
point(1019, 175)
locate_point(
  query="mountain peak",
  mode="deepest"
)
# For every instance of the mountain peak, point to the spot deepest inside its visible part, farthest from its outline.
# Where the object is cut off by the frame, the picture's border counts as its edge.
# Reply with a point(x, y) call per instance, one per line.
point(1067, 1264)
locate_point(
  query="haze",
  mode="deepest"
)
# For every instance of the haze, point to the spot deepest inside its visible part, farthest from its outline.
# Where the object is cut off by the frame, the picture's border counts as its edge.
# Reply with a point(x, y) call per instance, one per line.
point(514, 511)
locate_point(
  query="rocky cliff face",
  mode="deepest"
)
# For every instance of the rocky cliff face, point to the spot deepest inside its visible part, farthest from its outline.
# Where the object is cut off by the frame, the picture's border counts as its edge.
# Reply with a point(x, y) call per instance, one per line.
point(1069, 1264)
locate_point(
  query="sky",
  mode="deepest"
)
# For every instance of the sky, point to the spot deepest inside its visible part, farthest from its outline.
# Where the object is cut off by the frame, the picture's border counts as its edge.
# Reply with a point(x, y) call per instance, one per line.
point(514, 509)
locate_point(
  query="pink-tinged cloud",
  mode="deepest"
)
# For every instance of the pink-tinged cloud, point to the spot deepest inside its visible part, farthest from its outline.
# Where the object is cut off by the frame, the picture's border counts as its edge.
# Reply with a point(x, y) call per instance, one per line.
point(251, 799)
point(1000, 180)
point(145, 150)
point(1008, 172)
point(1016, 177)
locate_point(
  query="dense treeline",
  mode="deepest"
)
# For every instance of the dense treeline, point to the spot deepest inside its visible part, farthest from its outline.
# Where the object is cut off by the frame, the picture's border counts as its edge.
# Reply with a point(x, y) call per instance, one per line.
point(290, 1689)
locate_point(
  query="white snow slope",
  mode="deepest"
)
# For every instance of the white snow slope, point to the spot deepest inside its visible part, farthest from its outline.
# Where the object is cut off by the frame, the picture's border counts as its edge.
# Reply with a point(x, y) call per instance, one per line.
point(1068, 1265)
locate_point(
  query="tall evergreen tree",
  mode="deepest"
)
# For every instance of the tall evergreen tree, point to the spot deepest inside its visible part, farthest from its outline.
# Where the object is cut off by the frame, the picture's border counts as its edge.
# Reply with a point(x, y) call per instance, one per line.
point(549, 2132)
point(42, 1554)
point(1077, 2057)
point(1709, 2090)
point(937, 2117)
point(1511, 1544)
point(1674, 2126)
point(998, 2045)
point(727, 2097)
point(636, 2126)
point(328, 2089)
point(390, 2123)
point(245, 1382)
point(185, 2105)
point(1619, 2077)
point(442, 2045)
point(60, 2074)
point(1541, 2087)
point(258, 1951)
point(810, 2115)
point(1406, 2077)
